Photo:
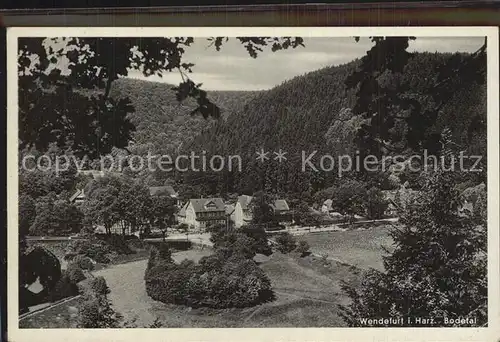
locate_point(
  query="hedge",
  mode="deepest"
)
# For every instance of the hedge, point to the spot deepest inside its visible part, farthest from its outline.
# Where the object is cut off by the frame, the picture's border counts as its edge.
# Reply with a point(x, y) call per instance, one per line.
point(215, 282)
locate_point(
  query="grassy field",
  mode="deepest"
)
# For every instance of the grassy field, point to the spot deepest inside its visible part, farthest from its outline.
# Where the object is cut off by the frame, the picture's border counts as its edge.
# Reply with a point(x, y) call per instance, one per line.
point(307, 295)
point(359, 247)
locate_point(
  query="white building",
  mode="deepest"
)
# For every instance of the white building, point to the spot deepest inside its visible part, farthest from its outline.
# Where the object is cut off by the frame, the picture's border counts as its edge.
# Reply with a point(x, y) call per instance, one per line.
point(243, 215)
point(201, 213)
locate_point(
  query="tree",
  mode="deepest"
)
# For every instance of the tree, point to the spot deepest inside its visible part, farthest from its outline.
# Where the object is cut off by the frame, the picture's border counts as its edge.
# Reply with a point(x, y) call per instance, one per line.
point(302, 248)
point(286, 243)
point(27, 213)
point(102, 204)
point(304, 216)
point(386, 104)
point(133, 204)
point(437, 269)
point(97, 122)
point(45, 222)
point(375, 204)
point(158, 254)
point(161, 212)
point(349, 198)
point(234, 243)
point(259, 236)
point(69, 217)
point(262, 211)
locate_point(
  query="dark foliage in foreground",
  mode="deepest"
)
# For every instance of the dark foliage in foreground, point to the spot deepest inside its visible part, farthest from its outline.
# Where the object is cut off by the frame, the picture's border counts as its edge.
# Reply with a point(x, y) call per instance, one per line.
point(96, 310)
point(438, 268)
point(66, 286)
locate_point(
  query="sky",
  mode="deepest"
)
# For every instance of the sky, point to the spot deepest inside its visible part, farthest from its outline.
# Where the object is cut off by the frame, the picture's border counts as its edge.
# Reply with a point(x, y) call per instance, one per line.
point(232, 68)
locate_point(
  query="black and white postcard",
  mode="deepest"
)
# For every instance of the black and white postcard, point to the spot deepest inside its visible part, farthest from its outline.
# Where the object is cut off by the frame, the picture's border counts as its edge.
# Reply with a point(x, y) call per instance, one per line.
point(172, 183)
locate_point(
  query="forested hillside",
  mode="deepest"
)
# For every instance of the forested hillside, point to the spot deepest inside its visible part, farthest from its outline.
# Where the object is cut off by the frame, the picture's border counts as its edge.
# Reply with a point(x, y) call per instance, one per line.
point(162, 123)
point(312, 112)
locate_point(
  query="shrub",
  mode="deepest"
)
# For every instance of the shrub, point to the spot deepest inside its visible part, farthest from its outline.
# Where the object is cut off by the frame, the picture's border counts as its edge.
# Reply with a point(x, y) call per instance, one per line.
point(302, 248)
point(96, 310)
point(92, 248)
point(258, 235)
point(64, 288)
point(286, 243)
point(217, 232)
point(137, 244)
point(159, 253)
point(216, 282)
point(98, 286)
point(84, 262)
point(116, 243)
point(69, 256)
point(75, 273)
point(167, 282)
point(86, 231)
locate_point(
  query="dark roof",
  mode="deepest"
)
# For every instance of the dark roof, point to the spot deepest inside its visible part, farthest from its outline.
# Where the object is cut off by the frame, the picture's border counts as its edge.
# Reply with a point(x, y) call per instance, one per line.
point(202, 205)
point(162, 190)
point(279, 204)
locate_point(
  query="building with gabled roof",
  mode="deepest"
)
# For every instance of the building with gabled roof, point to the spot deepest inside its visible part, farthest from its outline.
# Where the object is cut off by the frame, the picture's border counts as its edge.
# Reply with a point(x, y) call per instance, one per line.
point(243, 215)
point(201, 213)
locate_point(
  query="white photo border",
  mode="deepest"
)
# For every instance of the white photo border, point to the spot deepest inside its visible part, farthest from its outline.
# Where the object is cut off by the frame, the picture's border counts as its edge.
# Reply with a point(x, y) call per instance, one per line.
point(490, 333)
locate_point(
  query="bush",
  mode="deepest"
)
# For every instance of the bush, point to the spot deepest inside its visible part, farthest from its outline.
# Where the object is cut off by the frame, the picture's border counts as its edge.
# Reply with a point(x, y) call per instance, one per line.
point(69, 256)
point(98, 286)
point(95, 249)
point(235, 243)
point(302, 248)
point(258, 235)
point(64, 288)
point(75, 273)
point(116, 243)
point(286, 243)
point(96, 310)
point(167, 282)
point(159, 253)
point(216, 282)
point(84, 262)
point(137, 244)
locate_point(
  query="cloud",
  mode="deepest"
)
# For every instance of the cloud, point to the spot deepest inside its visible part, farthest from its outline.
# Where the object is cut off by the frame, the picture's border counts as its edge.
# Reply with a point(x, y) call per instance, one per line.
point(233, 69)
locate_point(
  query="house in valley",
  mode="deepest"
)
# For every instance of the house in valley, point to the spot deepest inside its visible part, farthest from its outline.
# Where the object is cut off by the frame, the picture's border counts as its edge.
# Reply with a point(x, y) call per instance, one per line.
point(327, 207)
point(201, 213)
point(243, 215)
point(282, 211)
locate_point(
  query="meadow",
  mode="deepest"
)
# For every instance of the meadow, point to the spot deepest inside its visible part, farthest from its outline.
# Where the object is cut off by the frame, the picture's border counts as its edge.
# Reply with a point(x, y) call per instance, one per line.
point(362, 248)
